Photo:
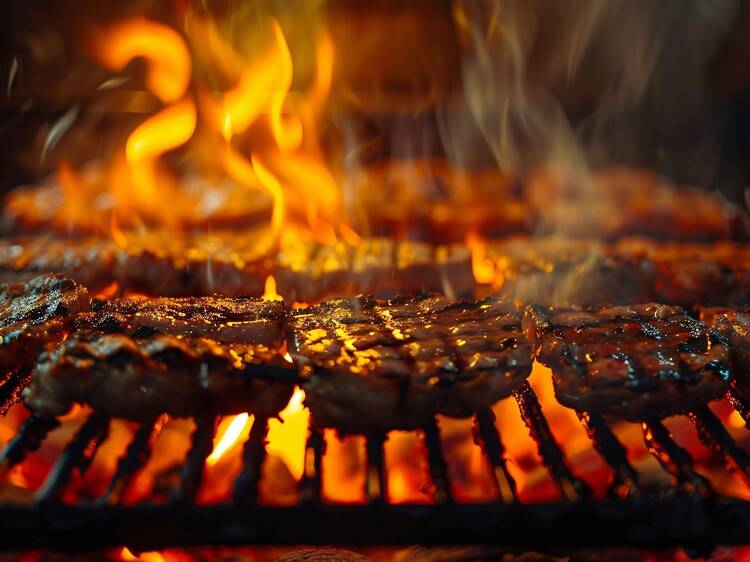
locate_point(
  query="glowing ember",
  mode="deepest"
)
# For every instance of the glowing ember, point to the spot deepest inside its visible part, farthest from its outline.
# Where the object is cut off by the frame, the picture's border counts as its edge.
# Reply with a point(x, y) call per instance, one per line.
point(228, 439)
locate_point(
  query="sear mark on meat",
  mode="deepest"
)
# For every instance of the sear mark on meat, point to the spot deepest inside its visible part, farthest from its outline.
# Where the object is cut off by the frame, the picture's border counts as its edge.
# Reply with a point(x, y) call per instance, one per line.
point(382, 365)
point(733, 324)
point(635, 362)
point(139, 358)
point(36, 314)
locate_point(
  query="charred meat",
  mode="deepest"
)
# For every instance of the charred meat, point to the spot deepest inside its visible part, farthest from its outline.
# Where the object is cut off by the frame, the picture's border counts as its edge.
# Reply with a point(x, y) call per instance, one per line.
point(618, 202)
point(310, 272)
point(137, 359)
point(733, 324)
point(690, 273)
point(635, 362)
point(88, 261)
point(563, 271)
point(382, 365)
point(36, 314)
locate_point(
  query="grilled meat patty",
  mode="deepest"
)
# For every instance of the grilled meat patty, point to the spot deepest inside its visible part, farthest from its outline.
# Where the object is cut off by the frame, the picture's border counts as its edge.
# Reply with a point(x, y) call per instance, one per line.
point(733, 324)
point(564, 271)
point(382, 365)
point(35, 314)
point(309, 272)
point(690, 273)
point(139, 358)
point(636, 362)
point(88, 261)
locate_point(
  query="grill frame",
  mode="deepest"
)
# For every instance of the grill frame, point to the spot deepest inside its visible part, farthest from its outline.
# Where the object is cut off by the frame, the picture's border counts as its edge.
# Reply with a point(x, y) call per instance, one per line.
point(689, 515)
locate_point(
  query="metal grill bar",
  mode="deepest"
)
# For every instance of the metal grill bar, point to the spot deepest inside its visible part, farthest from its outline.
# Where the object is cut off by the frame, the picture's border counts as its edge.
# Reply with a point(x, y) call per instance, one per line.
point(376, 485)
point(614, 453)
point(77, 455)
point(713, 434)
point(28, 438)
point(312, 477)
point(437, 467)
point(10, 390)
point(253, 455)
point(192, 472)
point(488, 438)
point(674, 459)
point(571, 487)
point(739, 404)
point(133, 460)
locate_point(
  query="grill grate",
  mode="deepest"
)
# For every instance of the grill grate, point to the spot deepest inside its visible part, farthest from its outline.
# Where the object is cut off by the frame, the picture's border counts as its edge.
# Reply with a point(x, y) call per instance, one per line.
point(692, 515)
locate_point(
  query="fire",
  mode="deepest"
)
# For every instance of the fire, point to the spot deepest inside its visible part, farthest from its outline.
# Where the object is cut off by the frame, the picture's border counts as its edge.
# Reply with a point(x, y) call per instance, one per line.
point(254, 131)
point(168, 58)
point(151, 556)
point(269, 293)
point(286, 437)
point(228, 438)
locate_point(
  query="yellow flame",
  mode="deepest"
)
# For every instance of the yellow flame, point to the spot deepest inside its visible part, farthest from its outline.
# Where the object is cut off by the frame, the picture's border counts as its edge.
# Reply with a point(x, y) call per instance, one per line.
point(171, 127)
point(287, 440)
point(482, 267)
point(229, 438)
point(269, 293)
point(168, 58)
point(151, 556)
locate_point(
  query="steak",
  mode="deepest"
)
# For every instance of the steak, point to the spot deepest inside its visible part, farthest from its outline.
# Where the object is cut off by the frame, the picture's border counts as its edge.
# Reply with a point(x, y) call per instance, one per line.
point(137, 359)
point(564, 271)
point(309, 272)
point(88, 261)
point(382, 365)
point(733, 324)
point(35, 314)
point(618, 202)
point(635, 362)
point(690, 273)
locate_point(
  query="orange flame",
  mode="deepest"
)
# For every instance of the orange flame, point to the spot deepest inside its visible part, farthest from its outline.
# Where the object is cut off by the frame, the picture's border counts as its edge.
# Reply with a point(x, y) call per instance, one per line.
point(286, 438)
point(169, 64)
point(228, 438)
point(270, 294)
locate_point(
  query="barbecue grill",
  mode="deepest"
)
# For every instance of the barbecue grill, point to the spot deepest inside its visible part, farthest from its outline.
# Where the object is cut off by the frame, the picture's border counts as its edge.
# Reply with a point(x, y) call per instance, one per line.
point(424, 194)
point(688, 514)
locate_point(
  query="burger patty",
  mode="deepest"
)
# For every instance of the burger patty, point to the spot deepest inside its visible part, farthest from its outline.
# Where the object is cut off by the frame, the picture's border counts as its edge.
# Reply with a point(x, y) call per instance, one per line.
point(564, 271)
point(35, 314)
point(635, 362)
point(733, 324)
point(382, 365)
point(137, 359)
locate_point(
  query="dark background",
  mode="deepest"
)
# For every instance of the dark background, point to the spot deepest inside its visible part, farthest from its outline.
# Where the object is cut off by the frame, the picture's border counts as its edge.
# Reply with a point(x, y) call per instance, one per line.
point(397, 74)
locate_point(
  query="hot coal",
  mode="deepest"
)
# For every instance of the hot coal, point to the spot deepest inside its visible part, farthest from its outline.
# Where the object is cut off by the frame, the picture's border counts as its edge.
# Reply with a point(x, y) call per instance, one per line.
point(635, 362)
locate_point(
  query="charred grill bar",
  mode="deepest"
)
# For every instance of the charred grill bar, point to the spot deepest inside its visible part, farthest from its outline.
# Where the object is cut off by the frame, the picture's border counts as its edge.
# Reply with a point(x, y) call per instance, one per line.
point(688, 515)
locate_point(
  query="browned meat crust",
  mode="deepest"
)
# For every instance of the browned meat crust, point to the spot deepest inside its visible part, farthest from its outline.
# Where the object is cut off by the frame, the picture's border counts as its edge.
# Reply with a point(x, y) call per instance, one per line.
point(139, 359)
point(733, 324)
point(635, 362)
point(619, 202)
point(88, 261)
point(564, 271)
point(35, 314)
point(223, 319)
point(382, 365)
point(691, 273)
point(309, 272)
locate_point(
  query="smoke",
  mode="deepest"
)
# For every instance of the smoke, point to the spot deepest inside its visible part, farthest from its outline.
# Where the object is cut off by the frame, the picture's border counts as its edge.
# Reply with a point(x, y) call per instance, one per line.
point(575, 83)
